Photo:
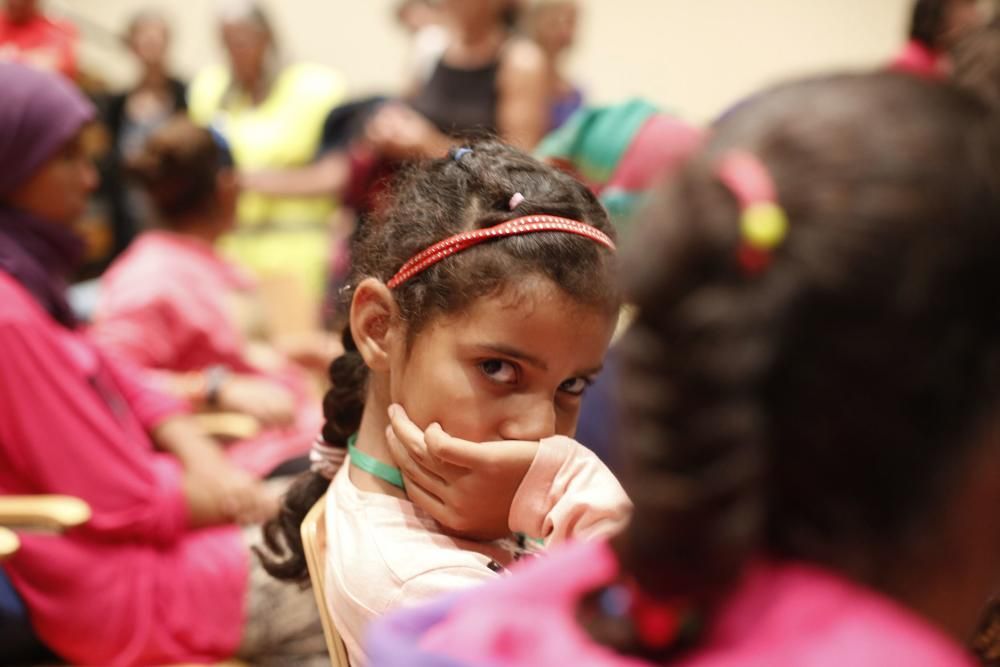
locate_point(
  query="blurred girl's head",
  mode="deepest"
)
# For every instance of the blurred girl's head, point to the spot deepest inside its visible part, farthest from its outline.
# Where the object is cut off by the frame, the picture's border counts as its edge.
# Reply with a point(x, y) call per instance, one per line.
point(820, 389)
point(187, 175)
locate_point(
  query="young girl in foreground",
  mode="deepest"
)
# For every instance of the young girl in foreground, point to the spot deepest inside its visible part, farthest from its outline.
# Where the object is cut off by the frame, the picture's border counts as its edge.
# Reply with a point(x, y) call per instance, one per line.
point(810, 400)
point(483, 300)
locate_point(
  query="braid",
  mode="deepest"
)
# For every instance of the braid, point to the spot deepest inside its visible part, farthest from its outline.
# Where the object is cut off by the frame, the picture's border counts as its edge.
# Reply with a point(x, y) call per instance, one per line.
point(696, 433)
point(344, 401)
point(818, 411)
point(283, 555)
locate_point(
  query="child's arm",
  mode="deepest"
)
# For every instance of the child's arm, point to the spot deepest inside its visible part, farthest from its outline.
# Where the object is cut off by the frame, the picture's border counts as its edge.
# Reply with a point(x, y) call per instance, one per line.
point(553, 490)
point(568, 493)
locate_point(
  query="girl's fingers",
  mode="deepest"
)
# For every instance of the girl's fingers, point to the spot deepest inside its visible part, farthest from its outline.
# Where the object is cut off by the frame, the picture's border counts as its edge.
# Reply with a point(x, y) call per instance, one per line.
point(427, 501)
point(407, 433)
point(458, 452)
point(411, 468)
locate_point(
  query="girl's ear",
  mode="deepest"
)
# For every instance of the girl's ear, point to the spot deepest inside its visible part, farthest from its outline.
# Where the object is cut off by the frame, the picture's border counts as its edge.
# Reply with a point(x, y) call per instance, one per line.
point(373, 312)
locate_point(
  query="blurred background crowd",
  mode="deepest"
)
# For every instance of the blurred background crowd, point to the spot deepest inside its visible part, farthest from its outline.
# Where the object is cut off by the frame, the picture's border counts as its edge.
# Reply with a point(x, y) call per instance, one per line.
point(235, 148)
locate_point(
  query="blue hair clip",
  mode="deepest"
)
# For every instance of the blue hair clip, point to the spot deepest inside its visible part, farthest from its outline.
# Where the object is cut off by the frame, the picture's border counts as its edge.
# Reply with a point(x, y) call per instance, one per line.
point(225, 155)
point(458, 153)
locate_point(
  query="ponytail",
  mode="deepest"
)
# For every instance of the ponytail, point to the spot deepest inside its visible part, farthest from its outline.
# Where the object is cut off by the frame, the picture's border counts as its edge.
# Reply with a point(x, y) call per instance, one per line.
point(283, 555)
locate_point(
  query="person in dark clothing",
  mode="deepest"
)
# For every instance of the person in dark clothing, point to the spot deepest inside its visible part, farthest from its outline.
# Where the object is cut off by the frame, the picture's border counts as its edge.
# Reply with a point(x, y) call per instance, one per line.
point(133, 115)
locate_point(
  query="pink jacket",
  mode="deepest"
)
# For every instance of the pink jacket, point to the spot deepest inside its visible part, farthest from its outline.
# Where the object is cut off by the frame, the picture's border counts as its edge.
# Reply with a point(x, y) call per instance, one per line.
point(135, 585)
point(384, 553)
point(782, 615)
point(167, 305)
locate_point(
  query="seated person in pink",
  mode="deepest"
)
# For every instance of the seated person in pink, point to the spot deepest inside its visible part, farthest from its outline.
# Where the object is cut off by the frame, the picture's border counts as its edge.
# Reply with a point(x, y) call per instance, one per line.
point(483, 300)
point(810, 394)
point(173, 306)
point(161, 573)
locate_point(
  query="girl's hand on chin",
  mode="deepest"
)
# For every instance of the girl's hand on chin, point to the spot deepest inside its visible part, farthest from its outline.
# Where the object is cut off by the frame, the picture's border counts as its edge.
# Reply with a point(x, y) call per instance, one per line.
point(467, 487)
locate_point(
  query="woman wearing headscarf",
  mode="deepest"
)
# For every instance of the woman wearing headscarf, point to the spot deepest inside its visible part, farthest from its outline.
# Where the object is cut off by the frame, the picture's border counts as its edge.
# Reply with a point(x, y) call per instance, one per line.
point(161, 573)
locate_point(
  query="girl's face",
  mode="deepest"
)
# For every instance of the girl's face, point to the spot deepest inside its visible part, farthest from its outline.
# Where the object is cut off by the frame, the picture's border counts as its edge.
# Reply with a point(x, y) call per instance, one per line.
point(512, 366)
point(58, 191)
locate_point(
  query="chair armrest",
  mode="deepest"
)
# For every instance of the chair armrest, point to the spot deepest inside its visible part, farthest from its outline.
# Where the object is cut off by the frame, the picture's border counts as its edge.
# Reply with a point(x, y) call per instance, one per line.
point(43, 512)
point(9, 544)
point(228, 425)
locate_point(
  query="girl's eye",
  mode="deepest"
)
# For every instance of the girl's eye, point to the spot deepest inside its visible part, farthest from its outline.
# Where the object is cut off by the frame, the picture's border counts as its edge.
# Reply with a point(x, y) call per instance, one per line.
point(574, 386)
point(499, 370)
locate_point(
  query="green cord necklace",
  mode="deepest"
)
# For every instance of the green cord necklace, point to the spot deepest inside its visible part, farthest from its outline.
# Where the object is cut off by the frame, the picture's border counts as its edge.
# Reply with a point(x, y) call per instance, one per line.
point(372, 466)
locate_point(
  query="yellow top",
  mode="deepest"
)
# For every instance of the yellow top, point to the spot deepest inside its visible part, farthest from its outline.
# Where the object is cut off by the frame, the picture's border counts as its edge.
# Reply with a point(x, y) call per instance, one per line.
point(282, 131)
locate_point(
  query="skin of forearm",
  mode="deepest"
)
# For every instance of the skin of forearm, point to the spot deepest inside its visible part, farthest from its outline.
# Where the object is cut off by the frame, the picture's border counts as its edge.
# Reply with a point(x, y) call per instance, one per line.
point(328, 176)
point(182, 437)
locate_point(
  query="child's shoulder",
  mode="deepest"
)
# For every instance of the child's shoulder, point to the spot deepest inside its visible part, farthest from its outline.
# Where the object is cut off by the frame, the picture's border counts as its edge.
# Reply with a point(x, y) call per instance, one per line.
point(392, 552)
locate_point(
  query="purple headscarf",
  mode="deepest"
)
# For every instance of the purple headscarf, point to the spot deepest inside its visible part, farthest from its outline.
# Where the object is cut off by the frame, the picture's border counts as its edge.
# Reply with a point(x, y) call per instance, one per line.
point(39, 113)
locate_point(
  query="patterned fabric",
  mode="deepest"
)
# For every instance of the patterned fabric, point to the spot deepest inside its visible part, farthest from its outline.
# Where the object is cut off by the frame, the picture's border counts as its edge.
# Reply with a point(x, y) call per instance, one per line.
point(781, 615)
point(620, 151)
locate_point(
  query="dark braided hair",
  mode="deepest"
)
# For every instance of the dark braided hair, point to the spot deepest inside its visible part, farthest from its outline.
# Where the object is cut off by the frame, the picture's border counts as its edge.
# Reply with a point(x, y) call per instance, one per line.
point(977, 64)
point(429, 202)
point(929, 22)
point(820, 410)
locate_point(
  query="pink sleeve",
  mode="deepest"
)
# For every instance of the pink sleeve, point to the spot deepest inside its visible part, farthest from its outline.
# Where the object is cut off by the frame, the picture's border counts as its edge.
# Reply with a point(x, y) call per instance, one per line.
point(150, 405)
point(568, 493)
point(136, 325)
point(58, 435)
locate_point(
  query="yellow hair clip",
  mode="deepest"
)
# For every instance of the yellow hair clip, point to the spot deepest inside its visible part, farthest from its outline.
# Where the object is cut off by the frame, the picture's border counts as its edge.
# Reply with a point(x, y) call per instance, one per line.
point(763, 223)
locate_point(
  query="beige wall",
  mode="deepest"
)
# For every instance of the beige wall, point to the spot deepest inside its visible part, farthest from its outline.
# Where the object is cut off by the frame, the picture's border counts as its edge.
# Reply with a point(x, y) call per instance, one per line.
point(695, 57)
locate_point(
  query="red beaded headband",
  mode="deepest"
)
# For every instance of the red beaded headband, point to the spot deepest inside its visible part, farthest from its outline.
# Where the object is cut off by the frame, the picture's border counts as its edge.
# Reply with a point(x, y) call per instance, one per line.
point(530, 224)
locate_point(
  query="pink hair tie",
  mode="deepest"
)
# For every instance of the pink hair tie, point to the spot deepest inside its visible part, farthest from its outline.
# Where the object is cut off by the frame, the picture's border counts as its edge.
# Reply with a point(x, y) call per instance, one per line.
point(531, 224)
point(516, 200)
point(326, 459)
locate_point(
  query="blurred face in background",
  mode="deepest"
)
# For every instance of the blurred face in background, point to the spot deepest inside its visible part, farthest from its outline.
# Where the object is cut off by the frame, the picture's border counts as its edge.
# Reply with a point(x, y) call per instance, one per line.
point(475, 12)
point(248, 44)
point(553, 25)
point(59, 190)
point(149, 39)
point(415, 15)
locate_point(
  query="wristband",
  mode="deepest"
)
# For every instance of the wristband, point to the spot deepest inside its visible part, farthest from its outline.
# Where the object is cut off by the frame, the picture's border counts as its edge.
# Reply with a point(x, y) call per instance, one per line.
point(215, 377)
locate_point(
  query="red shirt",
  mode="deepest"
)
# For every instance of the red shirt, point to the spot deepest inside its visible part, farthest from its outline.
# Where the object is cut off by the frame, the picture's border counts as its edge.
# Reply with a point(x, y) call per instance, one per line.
point(39, 41)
